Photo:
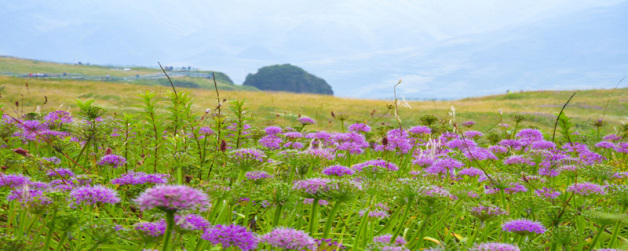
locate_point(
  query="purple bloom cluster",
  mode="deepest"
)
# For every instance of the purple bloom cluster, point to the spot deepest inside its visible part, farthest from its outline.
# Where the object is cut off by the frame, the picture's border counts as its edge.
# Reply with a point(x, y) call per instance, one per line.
point(473, 134)
point(94, 194)
point(272, 130)
point(272, 142)
point(494, 246)
point(257, 175)
point(306, 121)
point(385, 239)
point(63, 172)
point(53, 160)
point(586, 189)
point(231, 235)
point(112, 160)
point(443, 166)
point(289, 239)
point(338, 170)
point(530, 134)
point(307, 201)
point(13, 180)
point(359, 127)
point(523, 226)
point(205, 130)
point(376, 165)
point(314, 186)
point(486, 212)
point(248, 154)
point(191, 222)
point(418, 130)
point(133, 178)
point(154, 229)
point(174, 198)
point(549, 193)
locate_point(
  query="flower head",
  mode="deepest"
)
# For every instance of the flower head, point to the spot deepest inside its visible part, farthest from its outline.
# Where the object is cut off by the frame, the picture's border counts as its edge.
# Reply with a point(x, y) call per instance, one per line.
point(289, 239)
point(586, 189)
point(494, 246)
point(231, 235)
point(168, 197)
point(338, 170)
point(523, 226)
point(94, 194)
point(112, 160)
point(306, 121)
point(63, 172)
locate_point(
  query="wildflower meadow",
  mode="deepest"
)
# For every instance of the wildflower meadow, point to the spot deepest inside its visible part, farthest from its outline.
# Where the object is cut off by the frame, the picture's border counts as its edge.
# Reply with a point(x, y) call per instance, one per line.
point(170, 177)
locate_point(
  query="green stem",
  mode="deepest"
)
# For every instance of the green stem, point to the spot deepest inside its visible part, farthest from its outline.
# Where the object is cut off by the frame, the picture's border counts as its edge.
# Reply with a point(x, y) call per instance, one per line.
point(597, 236)
point(313, 216)
point(50, 231)
point(169, 228)
point(62, 241)
point(403, 219)
point(418, 236)
point(277, 215)
point(330, 218)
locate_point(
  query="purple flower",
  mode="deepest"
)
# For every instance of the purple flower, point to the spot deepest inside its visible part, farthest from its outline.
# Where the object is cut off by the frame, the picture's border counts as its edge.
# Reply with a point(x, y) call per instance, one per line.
point(543, 144)
point(63, 172)
point(154, 229)
point(359, 127)
point(622, 147)
point(271, 142)
point(478, 153)
point(338, 170)
point(112, 160)
point(385, 239)
point(293, 145)
point(523, 226)
point(133, 178)
point(461, 143)
point(377, 165)
point(518, 160)
point(484, 213)
point(246, 155)
point(27, 195)
point(514, 144)
point(549, 193)
point(13, 180)
point(289, 239)
point(468, 123)
point(293, 135)
point(173, 198)
point(320, 202)
point(379, 214)
point(498, 149)
point(471, 172)
point(494, 246)
point(472, 134)
point(442, 166)
point(191, 222)
point(605, 145)
point(313, 187)
point(417, 130)
point(53, 160)
point(586, 189)
point(205, 130)
point(231, 235)
point(530, 134)
point(255, 175)
point(306, 121)
point(93, 194)
point(272, 130)
point(57, 118)
point(612, 137)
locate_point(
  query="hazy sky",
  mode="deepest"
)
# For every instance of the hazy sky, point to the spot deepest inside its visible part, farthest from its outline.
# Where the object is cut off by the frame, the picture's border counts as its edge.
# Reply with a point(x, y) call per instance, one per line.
point(440, 49)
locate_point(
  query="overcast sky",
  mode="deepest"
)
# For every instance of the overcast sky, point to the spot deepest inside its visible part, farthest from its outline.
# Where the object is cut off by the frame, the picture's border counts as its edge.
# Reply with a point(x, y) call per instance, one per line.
point(440, 49)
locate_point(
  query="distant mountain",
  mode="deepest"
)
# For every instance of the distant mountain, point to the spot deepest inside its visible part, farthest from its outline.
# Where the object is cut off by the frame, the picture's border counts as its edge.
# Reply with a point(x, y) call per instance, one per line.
point(287, 78)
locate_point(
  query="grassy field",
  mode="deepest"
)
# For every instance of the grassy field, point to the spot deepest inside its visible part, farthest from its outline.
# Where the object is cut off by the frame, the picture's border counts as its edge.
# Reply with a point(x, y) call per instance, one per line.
point(19, 66)
point(540, 108)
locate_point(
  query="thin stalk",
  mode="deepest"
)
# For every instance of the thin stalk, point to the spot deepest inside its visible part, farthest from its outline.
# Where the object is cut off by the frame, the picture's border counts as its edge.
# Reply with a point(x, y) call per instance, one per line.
point(403, 219)
point(50, 231)
point(169, 228)
point(313, 217)
point(330, 218)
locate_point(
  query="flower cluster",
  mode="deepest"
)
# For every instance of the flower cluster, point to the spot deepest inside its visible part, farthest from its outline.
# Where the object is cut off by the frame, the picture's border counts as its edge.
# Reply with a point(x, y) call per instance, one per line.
point(231, 236)
point(172, 198)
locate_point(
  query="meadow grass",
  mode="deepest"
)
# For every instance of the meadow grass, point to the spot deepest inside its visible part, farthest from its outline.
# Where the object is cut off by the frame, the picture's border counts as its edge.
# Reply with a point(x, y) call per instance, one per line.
point(271, 108)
